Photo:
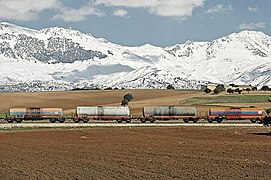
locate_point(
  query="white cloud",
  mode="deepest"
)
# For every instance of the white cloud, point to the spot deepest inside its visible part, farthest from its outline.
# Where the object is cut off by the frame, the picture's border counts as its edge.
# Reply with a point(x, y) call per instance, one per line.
point(28, 10)
point(120, 13)
point(253, 9)
point(252, 26)
point(25, 10)
point(219, 8)
point(76, 15)
point(167, 8)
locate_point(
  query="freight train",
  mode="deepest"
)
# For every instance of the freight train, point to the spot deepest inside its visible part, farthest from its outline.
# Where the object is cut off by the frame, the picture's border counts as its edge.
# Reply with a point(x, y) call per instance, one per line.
point(120, 114)
point(33, 113)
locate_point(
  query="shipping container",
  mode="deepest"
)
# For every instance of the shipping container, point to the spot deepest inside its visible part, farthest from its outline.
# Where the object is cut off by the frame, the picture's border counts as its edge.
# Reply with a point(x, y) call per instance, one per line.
point(236, 113)
point(169, 113)
point(17, 112)
point(118, 113)
point(20, 114)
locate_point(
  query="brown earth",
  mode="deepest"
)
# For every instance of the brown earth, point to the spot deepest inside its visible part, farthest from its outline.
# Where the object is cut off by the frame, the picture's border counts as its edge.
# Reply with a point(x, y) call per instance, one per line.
point(69, 100)
point(137, 153)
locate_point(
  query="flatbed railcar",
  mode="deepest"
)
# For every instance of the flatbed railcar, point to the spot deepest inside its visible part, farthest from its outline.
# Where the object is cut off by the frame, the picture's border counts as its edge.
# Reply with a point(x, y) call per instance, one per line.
point(236, 113)
point(118, 113)
point(24, 114)
point(169, 113)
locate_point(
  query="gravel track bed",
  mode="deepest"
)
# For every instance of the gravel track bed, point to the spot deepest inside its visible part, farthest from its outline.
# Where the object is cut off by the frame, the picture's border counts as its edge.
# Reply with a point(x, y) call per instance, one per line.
point(38, 125)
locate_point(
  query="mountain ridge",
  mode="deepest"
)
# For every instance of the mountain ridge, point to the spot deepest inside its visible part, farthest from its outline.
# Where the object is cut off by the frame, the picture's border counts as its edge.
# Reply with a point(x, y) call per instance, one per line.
point(67, 59)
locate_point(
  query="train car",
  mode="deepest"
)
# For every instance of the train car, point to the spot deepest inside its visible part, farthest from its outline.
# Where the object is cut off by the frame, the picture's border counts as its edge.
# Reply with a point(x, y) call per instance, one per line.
point(20, 114)
point(169, 113)
point(236, 113)
point(118, 113)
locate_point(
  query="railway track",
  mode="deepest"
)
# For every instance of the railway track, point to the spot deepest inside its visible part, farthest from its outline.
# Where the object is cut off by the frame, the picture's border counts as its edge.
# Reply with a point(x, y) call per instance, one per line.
point(112, 124)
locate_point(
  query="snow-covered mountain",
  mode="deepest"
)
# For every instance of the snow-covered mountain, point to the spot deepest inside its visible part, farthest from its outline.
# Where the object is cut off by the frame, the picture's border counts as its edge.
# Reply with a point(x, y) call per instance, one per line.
point(57, 59)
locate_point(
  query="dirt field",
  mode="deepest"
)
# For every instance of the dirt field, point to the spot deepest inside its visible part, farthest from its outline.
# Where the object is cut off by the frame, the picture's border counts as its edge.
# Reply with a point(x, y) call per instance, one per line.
point(68, 100)
point(129, 152)
point(137, 153)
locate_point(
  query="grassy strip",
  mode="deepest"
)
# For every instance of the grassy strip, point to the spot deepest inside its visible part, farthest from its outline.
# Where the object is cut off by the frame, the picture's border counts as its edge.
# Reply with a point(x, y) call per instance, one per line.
point(228, 99)
point(2, 114)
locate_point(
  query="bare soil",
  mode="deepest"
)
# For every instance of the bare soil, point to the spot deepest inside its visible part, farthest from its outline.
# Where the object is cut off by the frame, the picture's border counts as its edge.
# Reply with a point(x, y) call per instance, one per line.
point(69, 100)
point(137, 153)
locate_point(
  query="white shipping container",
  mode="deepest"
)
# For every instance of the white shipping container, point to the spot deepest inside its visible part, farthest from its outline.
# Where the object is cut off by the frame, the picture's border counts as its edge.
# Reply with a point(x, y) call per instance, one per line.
point(104, 111)
point(169, 111)
point(92, 110)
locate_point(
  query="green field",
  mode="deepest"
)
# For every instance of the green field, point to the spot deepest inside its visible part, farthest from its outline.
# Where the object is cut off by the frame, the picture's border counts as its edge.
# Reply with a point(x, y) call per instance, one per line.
point(2, 114)
point(228, 99)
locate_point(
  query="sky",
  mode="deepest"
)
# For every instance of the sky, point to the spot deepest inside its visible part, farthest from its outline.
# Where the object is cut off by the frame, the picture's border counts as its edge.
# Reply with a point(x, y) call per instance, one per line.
point(138, 22)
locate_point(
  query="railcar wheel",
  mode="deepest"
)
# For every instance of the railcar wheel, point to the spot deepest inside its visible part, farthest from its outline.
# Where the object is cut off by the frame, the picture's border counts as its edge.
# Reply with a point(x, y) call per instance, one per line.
point(128, 121)
point(259, 120)
point(219, 119)
point(85, 120)
point(52, 120)
point(61, 119)
point(19, 120)
point(253, 120)
point(119, 121)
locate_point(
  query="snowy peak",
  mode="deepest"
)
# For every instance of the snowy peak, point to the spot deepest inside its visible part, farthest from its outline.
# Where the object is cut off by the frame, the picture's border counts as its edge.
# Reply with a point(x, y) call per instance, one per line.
point(52, 45)
point(252, 42)
point(58, 58)
point(14, 29)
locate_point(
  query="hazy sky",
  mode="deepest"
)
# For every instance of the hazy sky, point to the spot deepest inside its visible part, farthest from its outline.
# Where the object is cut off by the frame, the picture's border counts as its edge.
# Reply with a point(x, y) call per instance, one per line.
point(137, 22)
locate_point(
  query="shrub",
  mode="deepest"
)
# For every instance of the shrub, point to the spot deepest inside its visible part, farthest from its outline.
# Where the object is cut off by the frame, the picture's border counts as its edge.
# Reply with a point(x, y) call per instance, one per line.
point(207, 90)
point(124, 102)
point(219, 88)
point(170, 87)
point(268, 111)
point(128, 96)
point(248, 90)
point(230, 91)
point(265, 88)
point(126, 99)
point(108, 88)
point(239, 91)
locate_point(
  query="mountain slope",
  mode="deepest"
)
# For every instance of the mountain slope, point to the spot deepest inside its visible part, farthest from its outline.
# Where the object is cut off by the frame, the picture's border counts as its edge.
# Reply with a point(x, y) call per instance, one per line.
point(57, 58)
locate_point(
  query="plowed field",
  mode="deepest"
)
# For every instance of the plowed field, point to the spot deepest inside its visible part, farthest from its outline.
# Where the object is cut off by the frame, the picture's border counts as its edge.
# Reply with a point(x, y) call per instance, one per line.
point(137, 153)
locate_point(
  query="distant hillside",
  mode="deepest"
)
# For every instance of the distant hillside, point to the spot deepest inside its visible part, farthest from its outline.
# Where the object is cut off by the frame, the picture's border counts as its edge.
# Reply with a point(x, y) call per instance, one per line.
point(58, 59)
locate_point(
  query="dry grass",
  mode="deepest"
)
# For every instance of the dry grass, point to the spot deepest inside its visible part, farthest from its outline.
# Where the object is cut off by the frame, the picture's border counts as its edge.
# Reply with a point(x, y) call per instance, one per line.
point(69, 100)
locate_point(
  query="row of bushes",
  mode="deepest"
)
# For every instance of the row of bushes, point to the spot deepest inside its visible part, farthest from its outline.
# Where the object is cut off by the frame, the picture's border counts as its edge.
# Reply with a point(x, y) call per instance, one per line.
point(220, 88)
